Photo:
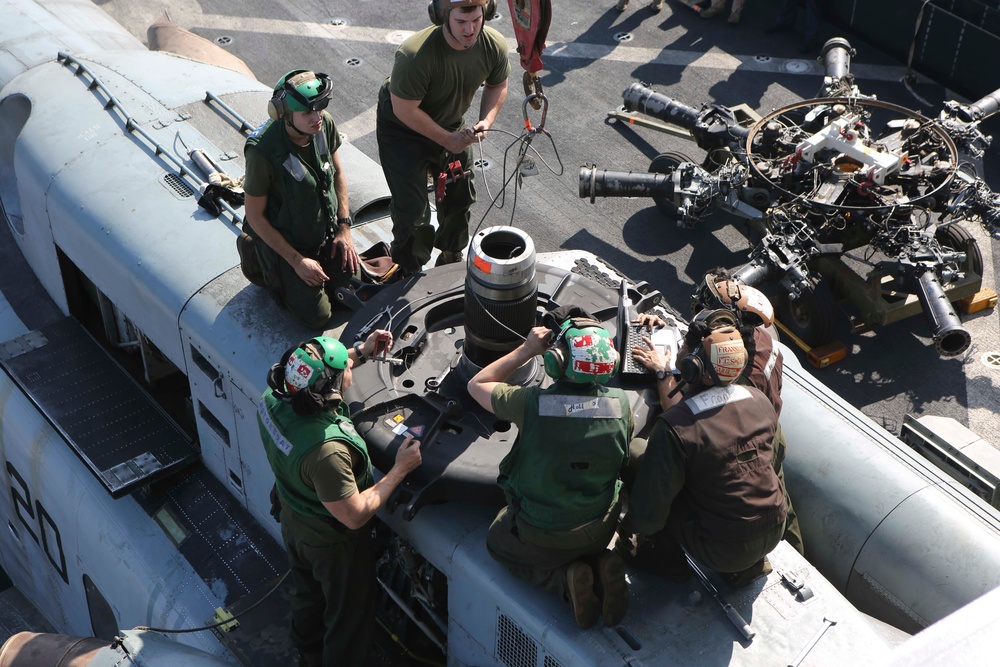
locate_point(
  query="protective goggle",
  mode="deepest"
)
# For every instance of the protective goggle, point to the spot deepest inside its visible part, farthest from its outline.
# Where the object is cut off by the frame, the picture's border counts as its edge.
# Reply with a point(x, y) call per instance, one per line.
point(322, 99)
point(318, 104)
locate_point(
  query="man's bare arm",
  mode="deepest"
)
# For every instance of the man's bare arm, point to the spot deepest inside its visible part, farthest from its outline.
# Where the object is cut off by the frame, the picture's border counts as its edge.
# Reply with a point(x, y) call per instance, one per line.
point(355, 511)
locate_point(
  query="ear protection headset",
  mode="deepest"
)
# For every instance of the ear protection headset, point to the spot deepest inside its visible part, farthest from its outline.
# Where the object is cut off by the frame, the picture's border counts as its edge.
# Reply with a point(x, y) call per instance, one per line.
point(557, 358)
point(310, 385)
point(438, 9)
point(710, 327)
point(278, 107)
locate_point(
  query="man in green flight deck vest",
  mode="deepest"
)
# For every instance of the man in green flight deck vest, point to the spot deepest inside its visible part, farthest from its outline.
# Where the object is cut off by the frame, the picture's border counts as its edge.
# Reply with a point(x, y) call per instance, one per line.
point(562, 476)
point(328, 494)
point(297, 239)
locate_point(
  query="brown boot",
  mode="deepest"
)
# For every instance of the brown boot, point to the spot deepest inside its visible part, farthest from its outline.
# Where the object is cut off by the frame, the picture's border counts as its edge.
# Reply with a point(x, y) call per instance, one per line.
point(622, 5)
point(736, 11)
point(580, 585)
point(714, 9)
point(657, 5)
point(612, 588)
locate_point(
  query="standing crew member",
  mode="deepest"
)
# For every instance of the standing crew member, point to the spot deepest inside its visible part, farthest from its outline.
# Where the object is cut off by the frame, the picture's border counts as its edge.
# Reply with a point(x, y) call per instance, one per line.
point(328, 494)
point(298, 242)
point(707, 482)
point(420, 126)
point(562, 476)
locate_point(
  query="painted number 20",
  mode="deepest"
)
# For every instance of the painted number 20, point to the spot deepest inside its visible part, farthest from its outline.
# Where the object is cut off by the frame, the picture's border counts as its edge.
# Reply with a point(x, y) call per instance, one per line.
point(37, 516)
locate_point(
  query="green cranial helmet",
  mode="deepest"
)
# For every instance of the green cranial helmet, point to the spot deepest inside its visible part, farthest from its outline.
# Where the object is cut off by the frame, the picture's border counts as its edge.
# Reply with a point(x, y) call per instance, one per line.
point(303, 371)
point(591, 357)
point(304, 90)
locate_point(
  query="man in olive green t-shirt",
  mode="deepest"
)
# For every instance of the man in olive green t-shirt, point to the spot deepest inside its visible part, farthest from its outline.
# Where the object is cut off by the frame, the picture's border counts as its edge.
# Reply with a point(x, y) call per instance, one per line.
point(420, 126)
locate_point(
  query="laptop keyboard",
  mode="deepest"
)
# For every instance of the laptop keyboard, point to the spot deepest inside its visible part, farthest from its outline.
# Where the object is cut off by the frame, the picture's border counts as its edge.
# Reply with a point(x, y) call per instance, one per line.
point(633, 338)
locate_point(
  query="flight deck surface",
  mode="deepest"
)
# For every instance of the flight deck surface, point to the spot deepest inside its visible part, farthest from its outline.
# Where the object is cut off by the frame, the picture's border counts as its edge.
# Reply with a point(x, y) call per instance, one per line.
point(593, 53)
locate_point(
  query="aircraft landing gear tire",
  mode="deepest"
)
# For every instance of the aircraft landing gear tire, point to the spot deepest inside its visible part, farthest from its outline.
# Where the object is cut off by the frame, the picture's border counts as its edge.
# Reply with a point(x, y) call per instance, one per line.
point(957, 238)
point(812, 317)
point(665, 163)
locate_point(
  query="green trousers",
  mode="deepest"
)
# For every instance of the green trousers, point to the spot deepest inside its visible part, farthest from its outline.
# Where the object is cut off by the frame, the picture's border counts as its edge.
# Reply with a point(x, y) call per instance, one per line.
point(540, 556)
point(312, 305)
point(407, 158)
point(334, 589)
point(793, 534)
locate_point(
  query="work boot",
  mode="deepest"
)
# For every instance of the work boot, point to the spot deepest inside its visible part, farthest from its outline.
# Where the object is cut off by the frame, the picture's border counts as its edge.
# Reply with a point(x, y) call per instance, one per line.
point(714, 9)
point(612, 588)
point(248, 259)
point(580, 585)
point(449, 257)
point(622, 5)
point(761, 568)
point(656, 6)
point(736, 11)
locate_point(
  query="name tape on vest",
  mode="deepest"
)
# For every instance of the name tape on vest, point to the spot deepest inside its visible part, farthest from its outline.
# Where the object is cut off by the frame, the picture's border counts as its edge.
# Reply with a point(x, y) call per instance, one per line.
point(598, 407)
point(716, 397)
point(280, 441)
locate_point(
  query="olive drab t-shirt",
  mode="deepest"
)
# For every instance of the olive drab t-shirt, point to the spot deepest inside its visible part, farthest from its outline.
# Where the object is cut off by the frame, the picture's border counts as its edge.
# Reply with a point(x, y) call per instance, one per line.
point(445, 79)
point(332, 469)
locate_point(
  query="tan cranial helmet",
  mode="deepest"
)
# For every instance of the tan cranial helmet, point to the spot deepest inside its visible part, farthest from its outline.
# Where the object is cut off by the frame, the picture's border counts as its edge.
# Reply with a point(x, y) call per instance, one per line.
point(716, 353)
point(747, 300)
point(748, 303)
point(438, 9)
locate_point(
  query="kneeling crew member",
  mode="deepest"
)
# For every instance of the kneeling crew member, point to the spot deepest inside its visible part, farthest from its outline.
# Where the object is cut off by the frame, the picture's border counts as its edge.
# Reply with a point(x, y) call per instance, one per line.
point(562, 476)
point(707, 482)
point(328, 494)
point(298, 242)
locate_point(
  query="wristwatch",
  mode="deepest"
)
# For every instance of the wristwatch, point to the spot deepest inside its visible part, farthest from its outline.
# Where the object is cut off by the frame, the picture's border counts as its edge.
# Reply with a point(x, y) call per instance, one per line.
point(359, 348)
point(661, 375)
point(345, 221)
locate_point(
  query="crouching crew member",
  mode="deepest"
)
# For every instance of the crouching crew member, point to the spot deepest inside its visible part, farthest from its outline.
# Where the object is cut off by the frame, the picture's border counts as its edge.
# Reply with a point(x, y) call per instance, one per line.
point(562, 476)
point(706, 481)
point(328, 494)
point(765, 365)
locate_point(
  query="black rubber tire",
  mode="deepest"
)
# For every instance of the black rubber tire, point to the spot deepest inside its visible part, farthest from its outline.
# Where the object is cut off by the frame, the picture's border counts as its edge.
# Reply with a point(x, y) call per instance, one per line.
point(957, 237)
point(665, 163)
point(812, 317)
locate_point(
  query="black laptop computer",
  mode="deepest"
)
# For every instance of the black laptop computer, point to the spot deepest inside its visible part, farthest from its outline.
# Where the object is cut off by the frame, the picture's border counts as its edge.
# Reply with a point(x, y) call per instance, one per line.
point(631, 335)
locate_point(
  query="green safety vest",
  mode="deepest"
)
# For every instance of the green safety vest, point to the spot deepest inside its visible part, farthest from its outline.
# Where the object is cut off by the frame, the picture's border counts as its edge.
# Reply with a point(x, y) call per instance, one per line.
point(296, 206)
point(288, 437)
point(563, 470)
